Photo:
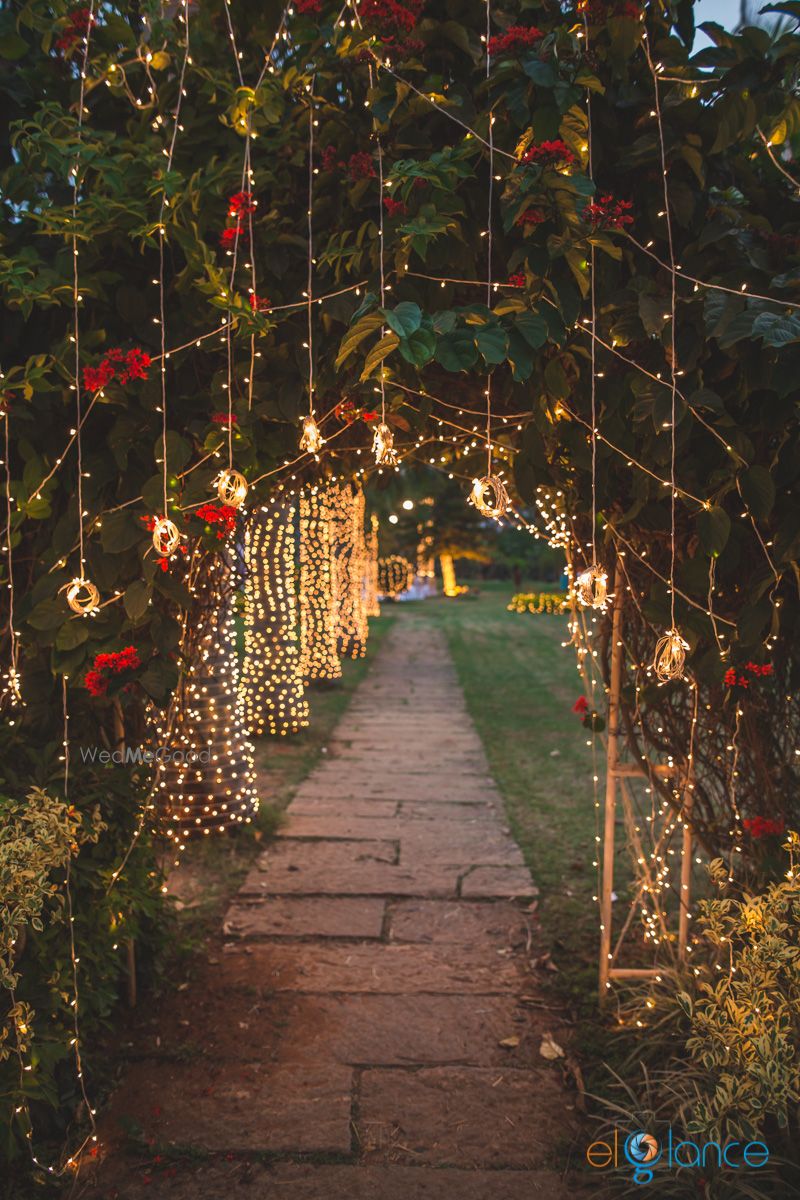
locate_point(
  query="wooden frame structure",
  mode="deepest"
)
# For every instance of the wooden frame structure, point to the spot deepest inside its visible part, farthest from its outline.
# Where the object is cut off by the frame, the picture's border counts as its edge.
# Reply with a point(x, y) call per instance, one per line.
point(619, 773)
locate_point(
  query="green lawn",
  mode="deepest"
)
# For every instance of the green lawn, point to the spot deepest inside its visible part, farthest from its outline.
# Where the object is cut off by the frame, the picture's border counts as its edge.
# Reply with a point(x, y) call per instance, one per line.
point(520, 685)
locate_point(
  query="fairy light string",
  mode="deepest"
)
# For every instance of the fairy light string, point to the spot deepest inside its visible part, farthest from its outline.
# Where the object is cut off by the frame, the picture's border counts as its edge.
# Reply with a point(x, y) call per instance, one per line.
point(170, 154)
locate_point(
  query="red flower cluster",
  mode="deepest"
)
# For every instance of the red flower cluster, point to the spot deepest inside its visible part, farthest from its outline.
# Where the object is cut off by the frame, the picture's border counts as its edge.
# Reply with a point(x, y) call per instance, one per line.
point(330, 159)
point(306, 7)
point(608, 213)
point(260, 303)
point(757, 670)
point(531, 216)
point(400, 48)
point(514, 40)
point(598, 11)
point(759, 827)
point(348, 412)
point(361, 166)
point(222, 418)
point(387, 16)
point(395, 208)
point(581, 706)
point(79, 22)
point(105, 665)
point(119, 365)
point(229, 236)
point(549, 154)
point(218, 514)
point(517, 280)
point(241, 204)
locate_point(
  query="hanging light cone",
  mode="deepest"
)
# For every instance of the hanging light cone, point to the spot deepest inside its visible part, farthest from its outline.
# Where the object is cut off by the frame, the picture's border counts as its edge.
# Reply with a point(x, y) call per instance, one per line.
point(489, 496)
point(383, 446)
point(670, 656)
point(231, 488)
point(591, 587)
point(311, 440)
point(82, 596)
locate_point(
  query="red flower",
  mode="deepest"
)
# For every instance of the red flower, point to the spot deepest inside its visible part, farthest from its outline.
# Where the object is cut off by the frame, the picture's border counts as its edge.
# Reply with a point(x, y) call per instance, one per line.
point(260, 303)
point(79, 21)
point(105, 664)
point(581, 706)
point(759, 827)
point(549, 154)
point(361, 166)
point(95, 378)
point(218, 514)
point(531, 216)
point(516, 39)
point(389, 17)
point(119, 364)
point(222, 418)
point(229, 237)
point(369, 416)
point(395, 208)
point(308, 6)
point(241, 204)
point(730, 676)
point(517, 280)
point(96, 683)
point(148, 522)
point(330, 156)
point(608, 213)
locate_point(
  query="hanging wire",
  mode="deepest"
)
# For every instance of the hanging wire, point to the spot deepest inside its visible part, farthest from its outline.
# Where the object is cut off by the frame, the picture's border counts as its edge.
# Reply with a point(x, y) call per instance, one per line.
point(161, 236)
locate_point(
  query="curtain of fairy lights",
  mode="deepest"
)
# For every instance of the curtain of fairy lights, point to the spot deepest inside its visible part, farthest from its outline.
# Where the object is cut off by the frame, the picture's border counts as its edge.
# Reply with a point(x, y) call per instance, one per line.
point(319, 659)
point(272, 690)
point(207, 782)
point(348, 563)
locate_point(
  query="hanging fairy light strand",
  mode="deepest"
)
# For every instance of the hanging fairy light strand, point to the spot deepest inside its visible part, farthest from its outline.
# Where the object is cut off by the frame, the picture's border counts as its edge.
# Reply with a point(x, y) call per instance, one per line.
point(166, 537)
point(670, 652)
point(383, 440)
point(591, 585)
point(311, 440)
point(82, 595)
point(11, 683)
point(488, 493)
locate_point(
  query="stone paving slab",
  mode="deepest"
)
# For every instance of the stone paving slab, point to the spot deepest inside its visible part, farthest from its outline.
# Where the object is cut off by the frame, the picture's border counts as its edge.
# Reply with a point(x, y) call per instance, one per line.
point(361, 879)
point(239, 1106)
point(498, 881)
point(400, 969)
point(247, 1180)
point(318, 805)
point(442, 921)
point(306, 916)
point(406, 1030)
point(465, 1116)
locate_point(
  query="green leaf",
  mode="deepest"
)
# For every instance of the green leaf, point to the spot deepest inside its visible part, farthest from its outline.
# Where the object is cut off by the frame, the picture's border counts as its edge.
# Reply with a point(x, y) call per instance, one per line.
point(405, 319)
point(137, 600)
point(72, 633)
point(492, 342)
point(533, 328)
point(456, 351)
point(714, 527)
point(48, 615)
point(519, 356)
point(388, 343)
point(758, 491)
point(419, 348)
point(540, 72)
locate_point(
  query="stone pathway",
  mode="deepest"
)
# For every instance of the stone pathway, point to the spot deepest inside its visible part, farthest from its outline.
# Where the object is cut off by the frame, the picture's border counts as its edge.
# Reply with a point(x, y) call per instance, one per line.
point(371, 1029)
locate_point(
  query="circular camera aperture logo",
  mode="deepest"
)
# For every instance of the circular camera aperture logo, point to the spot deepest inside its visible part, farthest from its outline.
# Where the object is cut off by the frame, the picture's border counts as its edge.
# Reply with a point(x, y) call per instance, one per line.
point(641, 1148)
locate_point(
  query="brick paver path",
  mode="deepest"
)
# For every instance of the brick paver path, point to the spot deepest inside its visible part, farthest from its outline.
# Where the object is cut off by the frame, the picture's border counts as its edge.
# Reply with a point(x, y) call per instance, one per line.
point(381, 1029)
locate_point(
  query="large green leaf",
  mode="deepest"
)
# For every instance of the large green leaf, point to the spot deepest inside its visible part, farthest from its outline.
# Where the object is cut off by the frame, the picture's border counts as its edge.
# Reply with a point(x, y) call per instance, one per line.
point(492, 342)
point(456, 351)
point(714, 527)
point(405, 319)
point(758, 491)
